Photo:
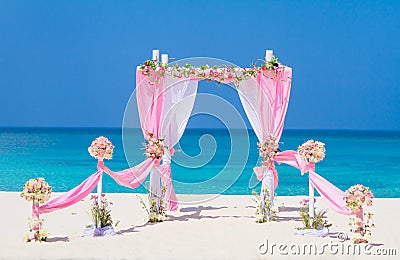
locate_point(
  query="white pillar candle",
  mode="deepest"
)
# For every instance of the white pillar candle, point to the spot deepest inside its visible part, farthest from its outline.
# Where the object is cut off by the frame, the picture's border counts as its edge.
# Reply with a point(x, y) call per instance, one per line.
point(164, 59)
point(268, 55)
point(156, 55)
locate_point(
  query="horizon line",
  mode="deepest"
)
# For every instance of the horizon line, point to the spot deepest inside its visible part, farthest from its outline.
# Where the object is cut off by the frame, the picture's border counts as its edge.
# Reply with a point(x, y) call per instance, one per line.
point(197, 128)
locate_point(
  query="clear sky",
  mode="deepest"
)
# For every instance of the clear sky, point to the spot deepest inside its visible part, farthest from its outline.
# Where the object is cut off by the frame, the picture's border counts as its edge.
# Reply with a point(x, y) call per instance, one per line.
point(72, 63)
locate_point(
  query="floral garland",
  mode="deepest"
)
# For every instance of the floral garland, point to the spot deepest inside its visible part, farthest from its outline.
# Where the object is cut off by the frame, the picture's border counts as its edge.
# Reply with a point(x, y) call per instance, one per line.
point(36, 190)
point(222, 74)
point(312, 151)
point(268, 149)
point(101, 148)
point(154, 148)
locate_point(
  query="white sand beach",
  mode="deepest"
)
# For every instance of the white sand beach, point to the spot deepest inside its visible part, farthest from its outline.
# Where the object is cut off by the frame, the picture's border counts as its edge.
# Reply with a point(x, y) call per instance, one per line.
point(222, 228)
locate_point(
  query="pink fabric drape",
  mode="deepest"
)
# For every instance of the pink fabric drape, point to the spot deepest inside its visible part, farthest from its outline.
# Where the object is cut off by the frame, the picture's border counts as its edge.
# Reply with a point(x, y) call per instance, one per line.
point(265, 102)
point(164, 109)
point(73, 196)
point(333, 196)
point(132, 177)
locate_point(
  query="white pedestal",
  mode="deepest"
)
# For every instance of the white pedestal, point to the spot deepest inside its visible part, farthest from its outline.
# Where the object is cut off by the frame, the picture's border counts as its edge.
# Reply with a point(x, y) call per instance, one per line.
point(155, 185)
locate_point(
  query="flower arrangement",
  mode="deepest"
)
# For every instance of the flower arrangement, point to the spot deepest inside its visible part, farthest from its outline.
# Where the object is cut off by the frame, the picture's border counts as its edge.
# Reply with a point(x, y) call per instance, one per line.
point(221, 74)
point(36, 231)
point(100, 212)
point(312, 151)
point(154, 148)
point(268, 149)
point(265, 212)
point(318, 222)
point(355, 198)
point(156, 214)
point(36, 190)
point(101, 148)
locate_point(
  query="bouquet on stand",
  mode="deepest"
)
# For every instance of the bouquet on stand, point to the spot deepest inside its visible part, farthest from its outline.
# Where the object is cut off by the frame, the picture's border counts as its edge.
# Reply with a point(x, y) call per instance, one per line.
point(38, 191)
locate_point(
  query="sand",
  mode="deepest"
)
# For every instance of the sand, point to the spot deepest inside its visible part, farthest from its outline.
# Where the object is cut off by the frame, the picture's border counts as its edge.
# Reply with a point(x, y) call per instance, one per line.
point(221, 228)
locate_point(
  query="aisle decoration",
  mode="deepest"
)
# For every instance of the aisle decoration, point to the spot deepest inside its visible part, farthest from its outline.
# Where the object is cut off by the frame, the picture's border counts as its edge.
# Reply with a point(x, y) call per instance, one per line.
point(38, 191)
point(315, 226)
point(312, 151)
point(100, 213)
point(356, 197)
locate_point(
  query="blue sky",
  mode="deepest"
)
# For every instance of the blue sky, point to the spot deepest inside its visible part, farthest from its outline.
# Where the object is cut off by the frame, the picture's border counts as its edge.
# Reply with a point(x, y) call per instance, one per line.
point(72, 63)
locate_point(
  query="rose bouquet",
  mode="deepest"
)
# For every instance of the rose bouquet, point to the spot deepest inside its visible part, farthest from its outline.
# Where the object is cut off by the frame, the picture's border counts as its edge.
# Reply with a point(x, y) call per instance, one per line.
point(101, 148)
point(154, 148)
point(312, 151)
point(357, 196)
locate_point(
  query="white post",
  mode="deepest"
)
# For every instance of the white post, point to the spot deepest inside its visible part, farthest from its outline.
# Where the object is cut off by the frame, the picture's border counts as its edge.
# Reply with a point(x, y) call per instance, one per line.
point(155, 188)
point(100, 189)
point(311, 210)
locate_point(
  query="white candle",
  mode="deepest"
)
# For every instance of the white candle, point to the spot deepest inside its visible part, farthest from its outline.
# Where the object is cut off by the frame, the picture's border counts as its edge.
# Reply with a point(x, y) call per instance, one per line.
point(268, 55)
point(156, 55)
point(164, 59)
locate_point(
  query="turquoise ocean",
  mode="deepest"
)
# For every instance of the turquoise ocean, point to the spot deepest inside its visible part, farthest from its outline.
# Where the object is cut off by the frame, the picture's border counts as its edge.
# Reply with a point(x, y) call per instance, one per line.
point(60, 155)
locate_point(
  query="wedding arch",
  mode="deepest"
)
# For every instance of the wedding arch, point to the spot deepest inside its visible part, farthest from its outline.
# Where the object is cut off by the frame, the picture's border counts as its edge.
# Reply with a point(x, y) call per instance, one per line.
point(165, 98)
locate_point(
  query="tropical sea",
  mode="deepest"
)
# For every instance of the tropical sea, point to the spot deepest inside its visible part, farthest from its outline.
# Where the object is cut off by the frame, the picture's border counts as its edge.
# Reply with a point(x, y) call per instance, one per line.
point(210, 161)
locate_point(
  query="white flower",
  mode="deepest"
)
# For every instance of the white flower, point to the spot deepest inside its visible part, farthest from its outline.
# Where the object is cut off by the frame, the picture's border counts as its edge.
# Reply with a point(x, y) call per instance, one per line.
point(260, 218)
